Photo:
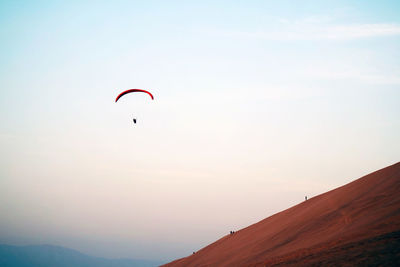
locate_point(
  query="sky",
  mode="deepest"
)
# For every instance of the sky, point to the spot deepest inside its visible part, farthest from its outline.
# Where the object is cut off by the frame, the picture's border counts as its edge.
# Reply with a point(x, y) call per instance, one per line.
point(257, 105)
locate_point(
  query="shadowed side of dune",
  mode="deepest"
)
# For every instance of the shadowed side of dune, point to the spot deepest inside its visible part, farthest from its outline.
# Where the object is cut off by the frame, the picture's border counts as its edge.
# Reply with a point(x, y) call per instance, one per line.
point(380, 250)
point(364, 209)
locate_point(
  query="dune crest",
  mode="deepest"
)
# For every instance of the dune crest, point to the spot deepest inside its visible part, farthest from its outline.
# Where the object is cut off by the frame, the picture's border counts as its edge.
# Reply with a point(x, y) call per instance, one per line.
point(354, 218)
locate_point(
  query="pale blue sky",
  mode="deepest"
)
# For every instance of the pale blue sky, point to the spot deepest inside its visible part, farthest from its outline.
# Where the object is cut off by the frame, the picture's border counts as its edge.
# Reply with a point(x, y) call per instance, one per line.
point(257, 103)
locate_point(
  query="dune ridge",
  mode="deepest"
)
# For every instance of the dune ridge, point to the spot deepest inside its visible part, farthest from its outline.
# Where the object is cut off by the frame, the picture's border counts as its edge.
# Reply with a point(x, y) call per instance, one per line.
point(363, 212)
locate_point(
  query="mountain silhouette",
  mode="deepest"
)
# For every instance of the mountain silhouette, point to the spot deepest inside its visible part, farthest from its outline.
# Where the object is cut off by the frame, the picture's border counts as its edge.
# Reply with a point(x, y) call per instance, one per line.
point(51, 256)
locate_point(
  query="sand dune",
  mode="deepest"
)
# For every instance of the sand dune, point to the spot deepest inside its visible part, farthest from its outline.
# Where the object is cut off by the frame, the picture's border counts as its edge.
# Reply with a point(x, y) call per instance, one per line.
point(360, 219)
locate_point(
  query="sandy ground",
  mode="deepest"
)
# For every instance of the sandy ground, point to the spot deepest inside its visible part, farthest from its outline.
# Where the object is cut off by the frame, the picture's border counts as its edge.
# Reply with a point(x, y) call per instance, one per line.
point(356, 224)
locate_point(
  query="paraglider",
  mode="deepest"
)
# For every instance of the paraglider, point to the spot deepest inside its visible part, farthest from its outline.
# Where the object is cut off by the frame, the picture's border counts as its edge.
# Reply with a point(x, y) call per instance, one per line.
point(132, 91)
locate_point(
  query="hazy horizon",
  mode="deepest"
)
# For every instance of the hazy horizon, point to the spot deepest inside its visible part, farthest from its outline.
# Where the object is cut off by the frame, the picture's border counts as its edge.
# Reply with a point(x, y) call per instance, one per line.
point(257, 104)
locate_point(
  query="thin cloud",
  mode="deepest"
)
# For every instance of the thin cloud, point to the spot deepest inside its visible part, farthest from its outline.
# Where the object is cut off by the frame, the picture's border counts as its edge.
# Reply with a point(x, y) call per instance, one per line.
point(359, 31)
point(304, 31)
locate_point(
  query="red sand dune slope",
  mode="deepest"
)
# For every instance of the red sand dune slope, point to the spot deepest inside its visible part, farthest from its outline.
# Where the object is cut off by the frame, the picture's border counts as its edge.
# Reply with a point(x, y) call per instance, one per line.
point(365, 209)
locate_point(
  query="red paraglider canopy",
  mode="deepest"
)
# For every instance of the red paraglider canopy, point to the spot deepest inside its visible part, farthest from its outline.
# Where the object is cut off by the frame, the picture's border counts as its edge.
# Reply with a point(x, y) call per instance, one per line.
point(131, 91)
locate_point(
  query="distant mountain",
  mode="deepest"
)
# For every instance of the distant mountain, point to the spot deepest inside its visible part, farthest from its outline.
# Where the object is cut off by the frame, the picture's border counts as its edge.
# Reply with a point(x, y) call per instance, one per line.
point(357, 224)
point(55, 256)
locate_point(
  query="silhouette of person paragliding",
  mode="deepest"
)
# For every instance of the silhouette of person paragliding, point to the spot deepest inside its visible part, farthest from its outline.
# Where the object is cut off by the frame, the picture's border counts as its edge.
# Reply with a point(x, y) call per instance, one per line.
point(132, 91)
